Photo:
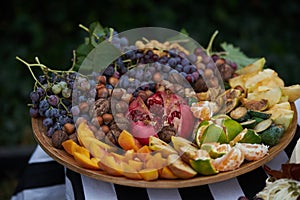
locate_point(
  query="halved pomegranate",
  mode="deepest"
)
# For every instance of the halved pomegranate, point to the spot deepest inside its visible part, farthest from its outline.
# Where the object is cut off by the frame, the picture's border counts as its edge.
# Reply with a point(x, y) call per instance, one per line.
point(161, 109)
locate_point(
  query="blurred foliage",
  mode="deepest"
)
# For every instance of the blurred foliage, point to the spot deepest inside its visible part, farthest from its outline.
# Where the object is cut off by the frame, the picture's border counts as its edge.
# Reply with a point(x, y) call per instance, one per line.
point(50, 31)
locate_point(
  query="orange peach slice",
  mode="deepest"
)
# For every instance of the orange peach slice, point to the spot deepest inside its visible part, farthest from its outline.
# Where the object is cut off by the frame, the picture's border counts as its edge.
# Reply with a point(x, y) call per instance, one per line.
point(70, 146)
point(144, 153)
point(85, 162)
point(149, 174)
point(127, 141)
point(166, 173)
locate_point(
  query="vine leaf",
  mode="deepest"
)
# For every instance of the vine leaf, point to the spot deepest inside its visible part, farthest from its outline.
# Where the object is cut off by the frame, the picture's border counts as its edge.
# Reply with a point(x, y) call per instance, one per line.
point(234, 54)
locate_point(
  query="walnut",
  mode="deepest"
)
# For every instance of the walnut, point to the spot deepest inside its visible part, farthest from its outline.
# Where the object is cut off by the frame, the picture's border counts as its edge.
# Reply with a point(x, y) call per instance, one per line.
point(200, 85)
point(166, 133)
point(58, 138)
point(102, 106)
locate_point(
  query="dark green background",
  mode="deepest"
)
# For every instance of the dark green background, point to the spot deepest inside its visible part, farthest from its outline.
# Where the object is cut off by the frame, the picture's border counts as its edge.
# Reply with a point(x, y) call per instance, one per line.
point(50, 31)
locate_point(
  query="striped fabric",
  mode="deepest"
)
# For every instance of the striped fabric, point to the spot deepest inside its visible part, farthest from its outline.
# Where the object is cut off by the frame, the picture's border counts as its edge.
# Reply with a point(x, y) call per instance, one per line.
point(46, 179)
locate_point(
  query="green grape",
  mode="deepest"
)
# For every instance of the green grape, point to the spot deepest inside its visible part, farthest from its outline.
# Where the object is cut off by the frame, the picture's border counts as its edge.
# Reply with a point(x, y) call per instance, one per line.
point(56, 88)
point(63, 84)
point(66, 92)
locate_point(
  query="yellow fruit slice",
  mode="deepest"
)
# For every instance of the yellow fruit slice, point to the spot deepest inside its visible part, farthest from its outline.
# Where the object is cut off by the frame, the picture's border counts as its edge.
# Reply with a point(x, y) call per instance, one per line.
point(293, 92)
point(257, 66)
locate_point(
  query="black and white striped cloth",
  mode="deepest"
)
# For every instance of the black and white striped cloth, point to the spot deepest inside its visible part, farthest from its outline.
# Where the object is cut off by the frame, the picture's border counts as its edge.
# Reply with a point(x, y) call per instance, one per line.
point(46, 179)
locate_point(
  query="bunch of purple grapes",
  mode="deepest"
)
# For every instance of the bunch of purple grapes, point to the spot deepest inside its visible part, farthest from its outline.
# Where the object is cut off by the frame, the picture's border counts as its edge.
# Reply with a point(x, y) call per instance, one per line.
point(51, 99)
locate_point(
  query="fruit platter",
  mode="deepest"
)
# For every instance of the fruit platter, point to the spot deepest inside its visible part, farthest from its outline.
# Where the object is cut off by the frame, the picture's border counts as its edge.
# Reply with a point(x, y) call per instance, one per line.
point(163, 113)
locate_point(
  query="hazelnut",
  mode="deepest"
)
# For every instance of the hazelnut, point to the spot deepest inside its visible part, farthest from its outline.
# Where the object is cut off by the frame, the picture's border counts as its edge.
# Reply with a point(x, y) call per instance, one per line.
point(157, 77)
point(113, 81)
point(101, 79)
point(84, 107)
point(104, 128)
point(99, 86)
point(208, 73)
point(107, 118)
point(102, 93)
point(69, 128)
point(118, 93)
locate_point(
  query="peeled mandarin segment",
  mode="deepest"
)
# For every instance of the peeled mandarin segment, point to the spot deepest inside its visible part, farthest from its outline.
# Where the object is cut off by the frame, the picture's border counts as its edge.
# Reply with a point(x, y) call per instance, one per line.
point(229, 161)
point(253, 152)
point(149, 174)
point(128, 142)
point(85, 162)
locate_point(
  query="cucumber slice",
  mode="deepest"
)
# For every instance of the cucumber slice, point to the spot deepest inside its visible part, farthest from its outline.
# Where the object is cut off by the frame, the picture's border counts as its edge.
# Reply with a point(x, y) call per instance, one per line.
point(249, 123)
point(262, 115)
point(263, 125)
point(240, 114)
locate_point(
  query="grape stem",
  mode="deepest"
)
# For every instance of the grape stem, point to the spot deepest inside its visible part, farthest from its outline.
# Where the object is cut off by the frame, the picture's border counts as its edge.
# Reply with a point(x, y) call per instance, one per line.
point(88, 30)
point(32, 74)
point(209, 47)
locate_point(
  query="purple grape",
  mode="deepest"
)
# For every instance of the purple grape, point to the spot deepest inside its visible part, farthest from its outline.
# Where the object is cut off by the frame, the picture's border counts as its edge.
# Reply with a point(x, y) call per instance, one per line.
point(196, 75)
point(75, 110)
point(185, 62)
point(44, 105)
point(34, 112)
point(54, 112)
point(41, 92)
point(179, 68)
point(172, 62)
point(48, 113)
point(187, 69)
point(190, 78)
point(34, 96)
point(215, 57)
point(50, 131)
point(123, 41)
point(53, 100)
point(47, 122)
point(109, 71)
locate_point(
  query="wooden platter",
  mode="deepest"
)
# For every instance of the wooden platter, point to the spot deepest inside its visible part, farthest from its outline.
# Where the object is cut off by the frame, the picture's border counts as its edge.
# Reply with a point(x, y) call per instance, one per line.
point(65, 159)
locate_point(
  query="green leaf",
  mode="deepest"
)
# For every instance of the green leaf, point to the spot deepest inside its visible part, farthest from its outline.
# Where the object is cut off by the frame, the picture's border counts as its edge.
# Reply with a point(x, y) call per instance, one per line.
point(84, 49)
point(96, 33)
point(234, 54)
